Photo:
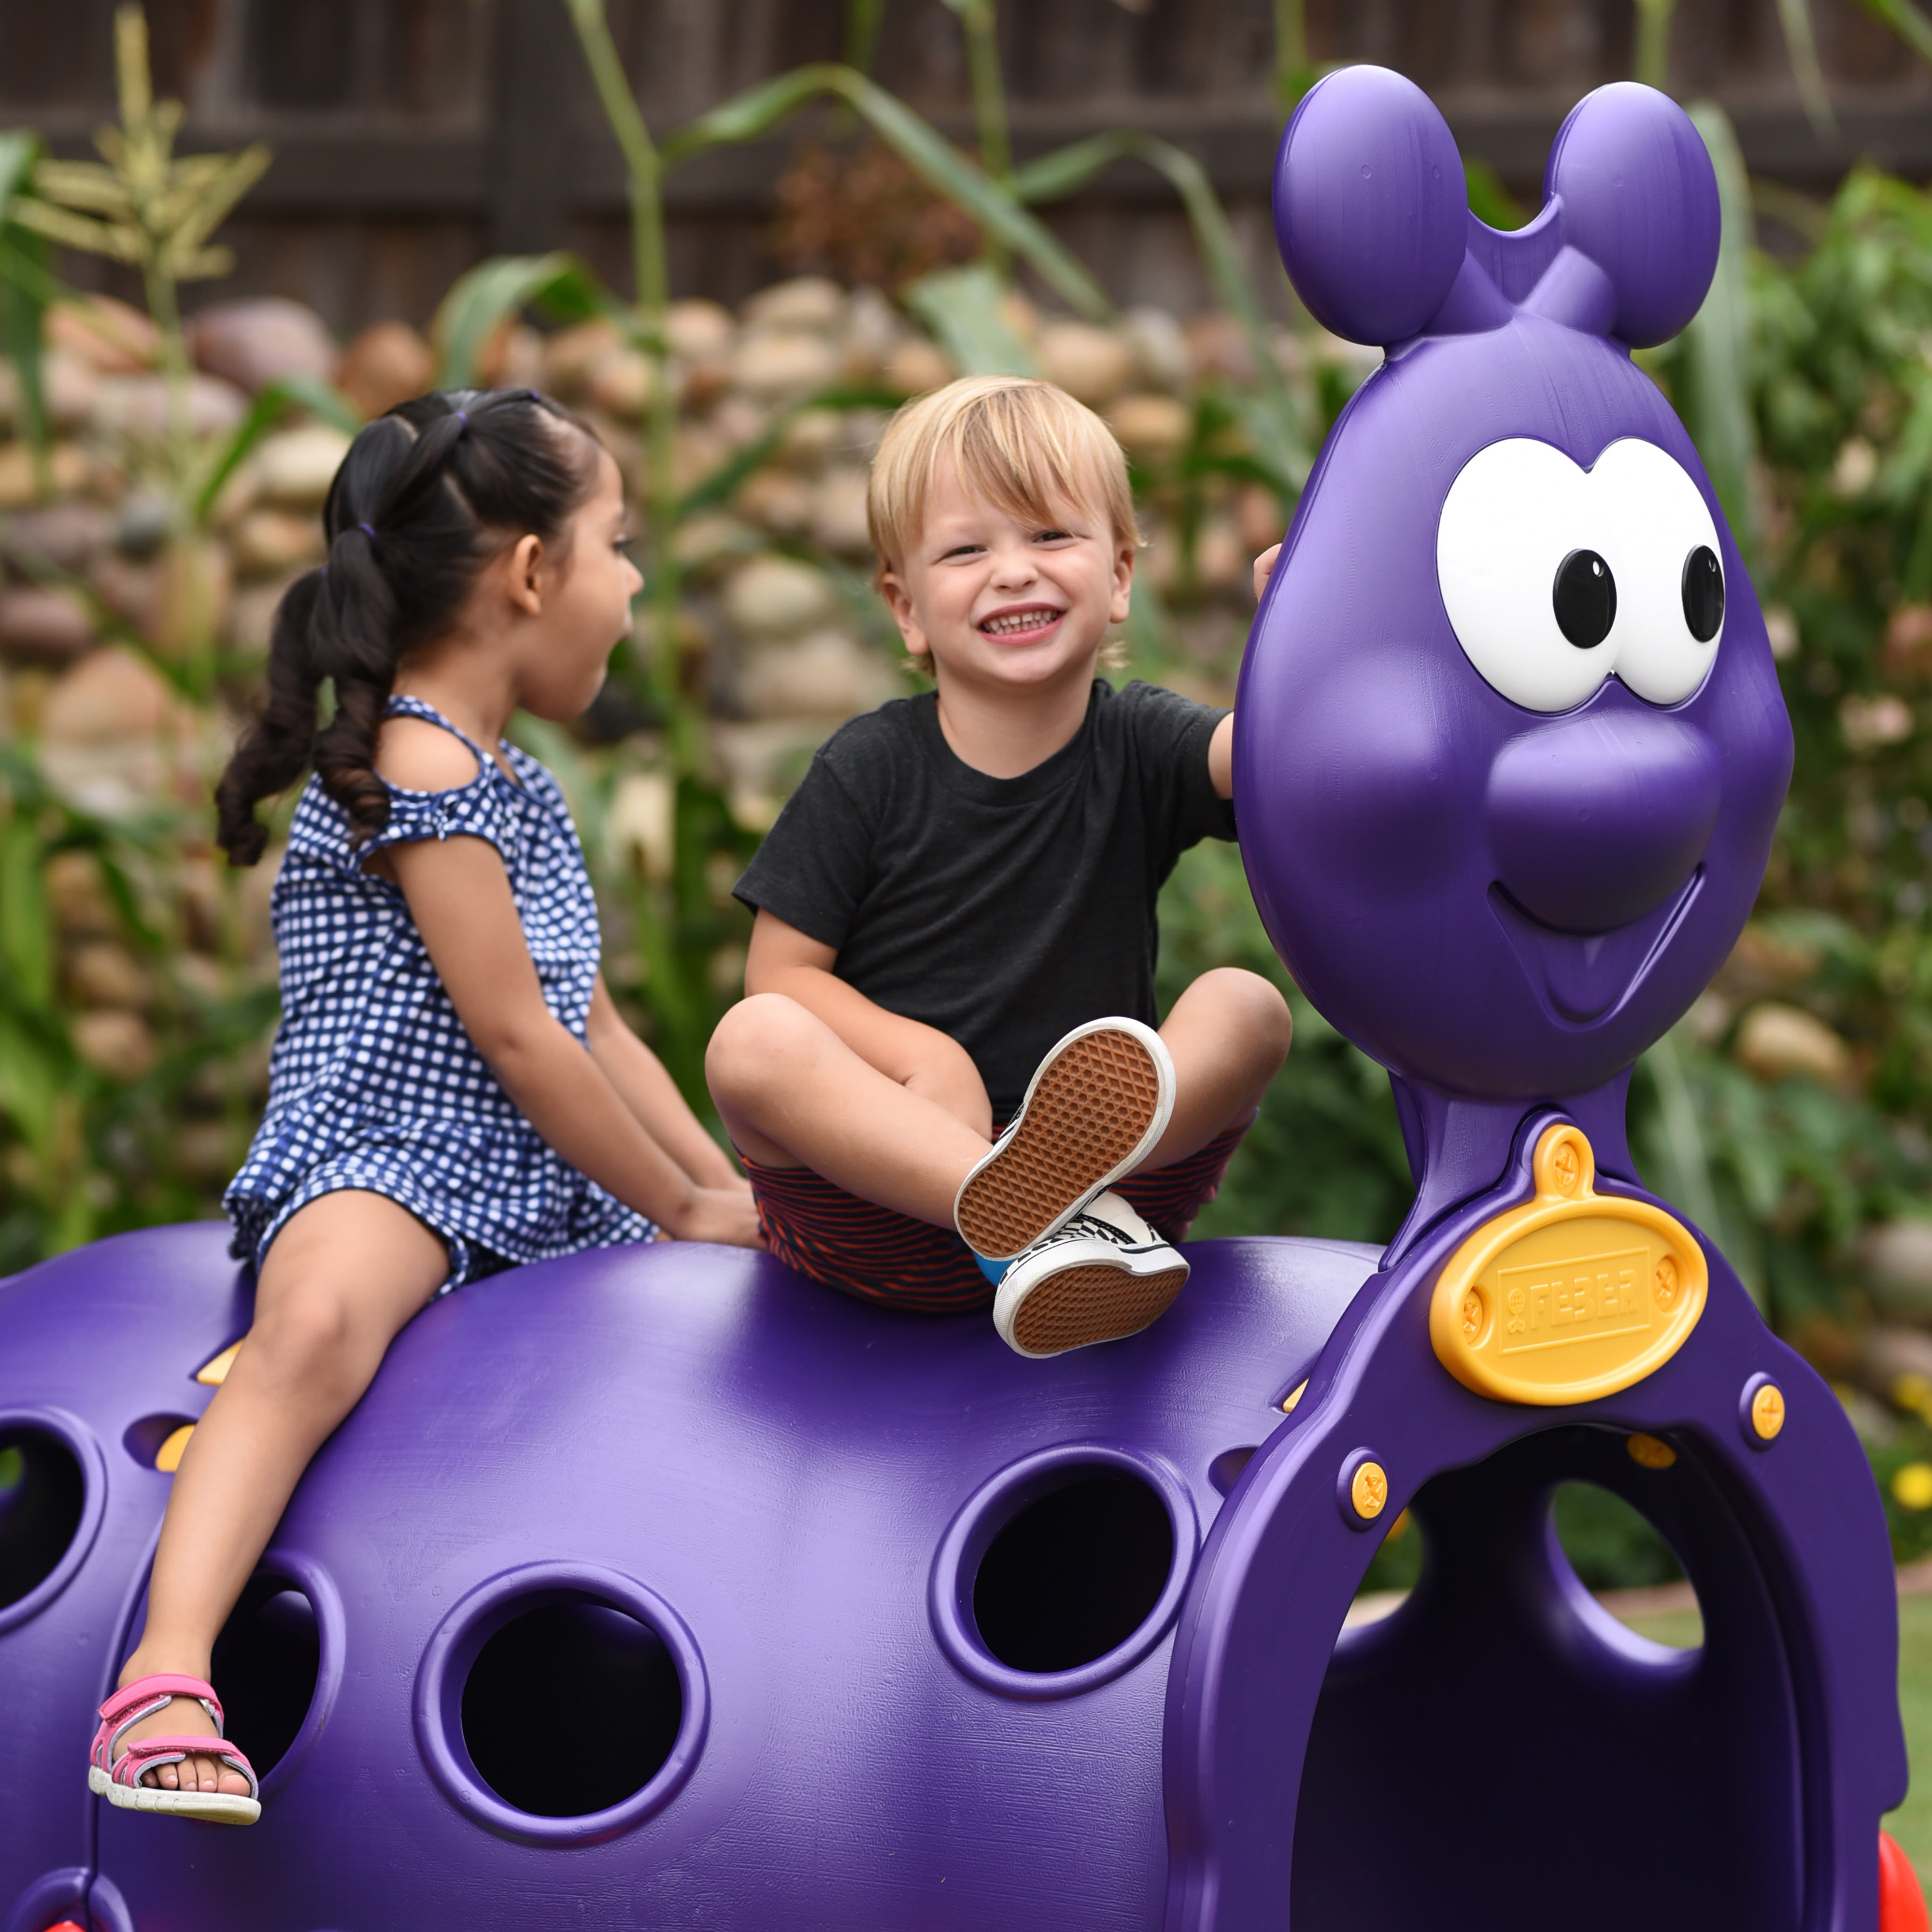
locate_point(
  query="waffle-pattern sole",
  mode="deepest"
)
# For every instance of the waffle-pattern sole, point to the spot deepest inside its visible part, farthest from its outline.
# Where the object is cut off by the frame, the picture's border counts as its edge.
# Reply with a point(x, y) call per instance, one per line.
point(211, 1808)
point(1097, 1303)
point(1085, 1120)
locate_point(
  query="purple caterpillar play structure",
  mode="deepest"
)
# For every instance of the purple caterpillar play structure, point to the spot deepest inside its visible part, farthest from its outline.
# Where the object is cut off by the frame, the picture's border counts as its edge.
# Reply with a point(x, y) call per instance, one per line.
point(657, 1588)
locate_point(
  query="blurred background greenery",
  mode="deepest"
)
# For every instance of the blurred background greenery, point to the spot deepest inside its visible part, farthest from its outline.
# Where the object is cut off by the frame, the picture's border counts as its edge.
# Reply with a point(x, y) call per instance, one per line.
point(160, 478)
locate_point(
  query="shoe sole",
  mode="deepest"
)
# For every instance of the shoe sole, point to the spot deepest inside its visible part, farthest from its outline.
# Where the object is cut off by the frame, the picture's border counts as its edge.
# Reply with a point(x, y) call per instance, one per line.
point(1095, 1109)
point(212, 1807)
point(1094, 1303)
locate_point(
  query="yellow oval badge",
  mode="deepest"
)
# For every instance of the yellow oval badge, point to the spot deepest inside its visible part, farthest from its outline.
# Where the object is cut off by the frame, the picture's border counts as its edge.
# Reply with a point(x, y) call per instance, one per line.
point(1574, 1295)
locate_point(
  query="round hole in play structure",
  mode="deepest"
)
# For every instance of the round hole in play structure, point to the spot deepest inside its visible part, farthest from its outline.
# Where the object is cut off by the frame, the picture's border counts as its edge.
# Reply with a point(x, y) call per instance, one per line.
point(1618, 1554)
point(1074, 1572)
point(43, 1498)
point(268, 1660)
point(570, 1708)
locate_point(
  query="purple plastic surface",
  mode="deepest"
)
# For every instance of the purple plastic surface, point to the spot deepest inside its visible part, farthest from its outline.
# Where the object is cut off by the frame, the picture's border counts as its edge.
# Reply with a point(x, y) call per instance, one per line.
point(1504, 905)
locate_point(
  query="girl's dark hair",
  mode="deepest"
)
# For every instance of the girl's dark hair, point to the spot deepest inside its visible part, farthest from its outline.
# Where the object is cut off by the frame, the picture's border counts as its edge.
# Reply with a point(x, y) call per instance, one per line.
point(425, 496)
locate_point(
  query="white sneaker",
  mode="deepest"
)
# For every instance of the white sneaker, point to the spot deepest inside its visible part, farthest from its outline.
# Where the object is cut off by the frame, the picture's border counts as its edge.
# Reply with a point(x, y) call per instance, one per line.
point(1092, 1113)
point(1104, 1274)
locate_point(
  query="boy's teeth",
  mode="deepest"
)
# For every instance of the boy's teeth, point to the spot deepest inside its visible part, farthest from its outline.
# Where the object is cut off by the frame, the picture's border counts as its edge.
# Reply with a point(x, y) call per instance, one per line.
point(1024, 620)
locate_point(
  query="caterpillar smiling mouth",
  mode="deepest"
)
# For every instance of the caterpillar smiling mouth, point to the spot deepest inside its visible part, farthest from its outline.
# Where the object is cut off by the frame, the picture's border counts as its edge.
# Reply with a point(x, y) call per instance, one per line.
point(1582, 978)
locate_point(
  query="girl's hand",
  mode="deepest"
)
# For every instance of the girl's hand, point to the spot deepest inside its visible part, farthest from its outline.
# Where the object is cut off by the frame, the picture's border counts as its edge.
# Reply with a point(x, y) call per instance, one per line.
point(727, 1215)
point(1264, 568)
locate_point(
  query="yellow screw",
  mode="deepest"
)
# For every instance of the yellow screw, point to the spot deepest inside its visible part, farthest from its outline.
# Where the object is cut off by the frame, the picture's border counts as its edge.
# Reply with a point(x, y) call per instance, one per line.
point(1768, 1411)
point(1648, 1450)
point(1565, 1166)
point(1293, 1396)
point(1666, 1281)
point(1369, 1491)
point(1472, 1316)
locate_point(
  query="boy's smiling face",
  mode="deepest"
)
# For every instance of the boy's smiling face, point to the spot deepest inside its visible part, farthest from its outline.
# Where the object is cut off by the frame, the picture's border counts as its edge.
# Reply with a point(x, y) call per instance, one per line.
point(1001, 600)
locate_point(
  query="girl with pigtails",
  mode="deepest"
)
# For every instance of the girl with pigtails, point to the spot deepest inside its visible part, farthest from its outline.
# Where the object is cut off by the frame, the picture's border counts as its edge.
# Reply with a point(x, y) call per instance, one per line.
point(452, 1090)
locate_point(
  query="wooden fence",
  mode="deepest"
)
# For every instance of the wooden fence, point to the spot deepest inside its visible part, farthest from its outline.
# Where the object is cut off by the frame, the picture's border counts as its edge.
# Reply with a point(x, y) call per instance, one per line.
point(412, 137)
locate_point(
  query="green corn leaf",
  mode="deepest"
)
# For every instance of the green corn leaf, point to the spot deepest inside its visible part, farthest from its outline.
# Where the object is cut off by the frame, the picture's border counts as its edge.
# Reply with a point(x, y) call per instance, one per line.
point(23, 297)
point(1267, 411)
point(85, 186)
point(26, 936)
point(1717, 345)
point(921, 146)
point(1905, 21)
point(501, 287)
point(78, 231)
point(1801, 48)
point(271, 403)
point(961, 308)
point(30, 1085)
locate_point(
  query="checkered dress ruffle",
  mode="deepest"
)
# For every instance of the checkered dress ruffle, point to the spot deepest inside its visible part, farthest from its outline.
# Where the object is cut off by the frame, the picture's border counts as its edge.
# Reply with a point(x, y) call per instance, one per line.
point(374, 1083)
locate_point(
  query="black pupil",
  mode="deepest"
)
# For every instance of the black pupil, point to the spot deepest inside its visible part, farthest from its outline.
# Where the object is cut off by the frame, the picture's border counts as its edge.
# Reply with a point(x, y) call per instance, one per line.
point(1703, 593)
point(1585, 598)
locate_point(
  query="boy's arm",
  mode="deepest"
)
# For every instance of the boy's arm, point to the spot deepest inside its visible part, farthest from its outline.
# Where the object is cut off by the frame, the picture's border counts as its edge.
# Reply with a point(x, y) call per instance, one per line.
point(784, 960)
point(1221, 746)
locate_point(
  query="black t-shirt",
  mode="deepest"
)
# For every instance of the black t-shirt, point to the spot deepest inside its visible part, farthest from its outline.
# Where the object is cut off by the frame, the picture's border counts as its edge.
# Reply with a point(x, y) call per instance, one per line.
point(1003, 911)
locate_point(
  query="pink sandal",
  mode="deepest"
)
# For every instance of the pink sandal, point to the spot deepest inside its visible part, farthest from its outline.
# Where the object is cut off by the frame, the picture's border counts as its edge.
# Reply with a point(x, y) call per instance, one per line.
point(118, 1779)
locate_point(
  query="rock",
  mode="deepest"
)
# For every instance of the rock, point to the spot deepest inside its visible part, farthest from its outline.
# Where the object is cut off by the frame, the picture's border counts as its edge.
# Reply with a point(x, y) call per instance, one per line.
point(915, 367)
point(1217, 350)
point(711, 538)
point(700, 331)
point(1781, 631)
point(826, 675)
point(386, 364)
point(511, 358)
point(273, 543)
point(1153, 430)
point(68, 468)
point(810, 437)
point(136, 406)
point(1908, 640)
point(206, 1151)
point(697, 450)
point(1258, 517)
point(641, 823)
point(839, 513)
point(1776, 1041)
point(251, 616)
point(1221, 560)
point(102, 973)
point(1854, 469)
point(70, 388)
point(1159, 345)
point(117, 339)
point(776, 597)
point(110, 695)
point(772, 365)
point(43, 624)
point(805, 302)
point(253, 342)
point(570, 354)
point(778, 501)
point(145, 522)
point(120, 1045)
point(296, 467)
point(76, 892)
point(1869, 723)
point(872, 331)
point(1093, 365)
point(1897, 1258)
point(1763, 961)
point(1896, 1364)
point(127, 586)
point(620, 381)
point(68, 536)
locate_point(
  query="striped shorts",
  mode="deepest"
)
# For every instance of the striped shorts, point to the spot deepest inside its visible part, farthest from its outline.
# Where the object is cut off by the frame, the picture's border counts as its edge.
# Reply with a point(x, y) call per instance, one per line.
point(879, 1255)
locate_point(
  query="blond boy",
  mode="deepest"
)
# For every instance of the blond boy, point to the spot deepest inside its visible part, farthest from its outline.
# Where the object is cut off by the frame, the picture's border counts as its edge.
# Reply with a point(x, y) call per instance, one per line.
point(961, 894)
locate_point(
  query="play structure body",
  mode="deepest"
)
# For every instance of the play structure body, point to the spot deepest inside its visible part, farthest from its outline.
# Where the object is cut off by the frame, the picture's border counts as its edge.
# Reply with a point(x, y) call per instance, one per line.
point(658, 1587)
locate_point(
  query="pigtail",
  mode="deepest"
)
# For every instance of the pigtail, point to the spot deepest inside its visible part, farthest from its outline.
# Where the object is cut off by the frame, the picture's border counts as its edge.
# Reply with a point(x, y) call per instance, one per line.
point(425, 496)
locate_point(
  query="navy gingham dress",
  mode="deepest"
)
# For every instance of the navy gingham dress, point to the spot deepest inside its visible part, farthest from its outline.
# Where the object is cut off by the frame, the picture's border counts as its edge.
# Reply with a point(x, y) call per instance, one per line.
point(374, 1083)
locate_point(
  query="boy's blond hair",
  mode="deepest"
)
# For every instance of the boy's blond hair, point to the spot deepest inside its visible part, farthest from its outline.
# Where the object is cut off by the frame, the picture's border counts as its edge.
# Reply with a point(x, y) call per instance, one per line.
point(1027, 447)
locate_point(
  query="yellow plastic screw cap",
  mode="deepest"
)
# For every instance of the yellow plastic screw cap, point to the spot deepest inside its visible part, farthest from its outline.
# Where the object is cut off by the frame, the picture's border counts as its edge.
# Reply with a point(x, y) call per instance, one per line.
point(1369, 1490)
point(1768, 1411)
point(1651, 1453)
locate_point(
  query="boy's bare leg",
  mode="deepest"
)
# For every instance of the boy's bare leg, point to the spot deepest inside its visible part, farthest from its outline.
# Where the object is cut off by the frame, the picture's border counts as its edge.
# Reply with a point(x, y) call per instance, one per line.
point(792, 1094)
point(1228, 1034)
point(343, 1277)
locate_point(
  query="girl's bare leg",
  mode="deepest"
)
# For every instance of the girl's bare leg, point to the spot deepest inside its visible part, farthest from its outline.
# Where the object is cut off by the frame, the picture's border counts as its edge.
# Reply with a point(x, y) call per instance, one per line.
point(1229, 1034)
point(792, 1094)
point(343, 1277)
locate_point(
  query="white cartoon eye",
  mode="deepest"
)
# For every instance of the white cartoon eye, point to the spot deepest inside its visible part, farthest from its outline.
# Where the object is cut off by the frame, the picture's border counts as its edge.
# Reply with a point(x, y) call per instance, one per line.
point(1528, 580)
point(1663, 545)
point(1554, 577)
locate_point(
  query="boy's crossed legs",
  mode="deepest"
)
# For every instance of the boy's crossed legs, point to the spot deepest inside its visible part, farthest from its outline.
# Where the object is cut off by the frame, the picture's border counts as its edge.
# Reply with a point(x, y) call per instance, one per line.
point(793, 1093)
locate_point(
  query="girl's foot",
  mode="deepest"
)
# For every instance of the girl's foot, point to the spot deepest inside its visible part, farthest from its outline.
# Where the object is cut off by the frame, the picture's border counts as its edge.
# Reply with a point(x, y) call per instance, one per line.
point(1103, 1275)
point(173, 1707)
point(1099, 1101)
